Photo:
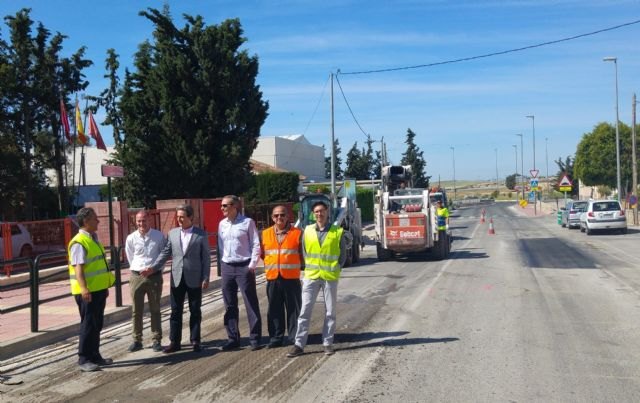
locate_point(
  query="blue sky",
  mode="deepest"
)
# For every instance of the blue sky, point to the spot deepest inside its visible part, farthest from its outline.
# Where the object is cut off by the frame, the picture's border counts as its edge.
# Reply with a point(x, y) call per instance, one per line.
point(476, 106)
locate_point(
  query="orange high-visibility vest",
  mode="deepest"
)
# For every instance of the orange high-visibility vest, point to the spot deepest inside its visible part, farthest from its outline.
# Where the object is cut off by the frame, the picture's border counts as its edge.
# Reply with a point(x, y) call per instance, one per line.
point(283, 259)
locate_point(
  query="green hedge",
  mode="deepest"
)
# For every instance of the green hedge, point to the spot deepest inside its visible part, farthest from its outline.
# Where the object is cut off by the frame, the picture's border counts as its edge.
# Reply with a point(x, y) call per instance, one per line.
point(364, 198)
point(273, 187)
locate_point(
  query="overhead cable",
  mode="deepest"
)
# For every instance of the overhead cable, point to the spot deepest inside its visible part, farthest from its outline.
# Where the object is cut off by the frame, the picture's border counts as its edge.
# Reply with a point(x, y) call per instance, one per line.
point(465, 59)
point(349, 106)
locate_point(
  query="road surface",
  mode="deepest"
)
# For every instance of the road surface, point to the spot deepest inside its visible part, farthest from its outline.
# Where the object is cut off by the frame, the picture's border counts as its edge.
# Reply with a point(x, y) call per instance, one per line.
point(535, 312)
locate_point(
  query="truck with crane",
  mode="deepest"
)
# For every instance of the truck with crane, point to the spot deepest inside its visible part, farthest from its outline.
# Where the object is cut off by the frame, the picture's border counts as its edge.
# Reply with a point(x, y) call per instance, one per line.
point(405, 218)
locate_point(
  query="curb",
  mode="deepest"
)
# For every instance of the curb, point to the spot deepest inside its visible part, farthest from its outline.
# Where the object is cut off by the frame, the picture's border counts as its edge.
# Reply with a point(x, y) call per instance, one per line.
point(18, 346)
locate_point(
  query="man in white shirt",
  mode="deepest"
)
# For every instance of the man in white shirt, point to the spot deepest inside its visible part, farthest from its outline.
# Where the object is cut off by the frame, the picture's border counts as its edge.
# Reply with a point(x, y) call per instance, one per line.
point(238, 255)
point(143, 247)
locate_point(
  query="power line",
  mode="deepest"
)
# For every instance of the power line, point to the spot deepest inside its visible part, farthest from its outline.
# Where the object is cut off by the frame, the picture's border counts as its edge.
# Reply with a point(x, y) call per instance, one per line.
point(349, 106)
point(316, 109)
point(465, 59)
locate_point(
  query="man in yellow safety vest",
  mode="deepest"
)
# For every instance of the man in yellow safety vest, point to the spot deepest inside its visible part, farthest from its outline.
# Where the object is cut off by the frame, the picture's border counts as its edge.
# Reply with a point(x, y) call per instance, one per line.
point(324, 255)
point(90, 280)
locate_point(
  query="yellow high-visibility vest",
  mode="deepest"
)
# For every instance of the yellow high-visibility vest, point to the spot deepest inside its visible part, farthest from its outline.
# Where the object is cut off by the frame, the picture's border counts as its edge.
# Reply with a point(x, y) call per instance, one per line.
point(322, 261)
point(96, 271)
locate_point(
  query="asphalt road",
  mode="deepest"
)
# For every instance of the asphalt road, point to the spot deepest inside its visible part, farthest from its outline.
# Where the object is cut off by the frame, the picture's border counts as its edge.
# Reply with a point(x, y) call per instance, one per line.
point(535, 312)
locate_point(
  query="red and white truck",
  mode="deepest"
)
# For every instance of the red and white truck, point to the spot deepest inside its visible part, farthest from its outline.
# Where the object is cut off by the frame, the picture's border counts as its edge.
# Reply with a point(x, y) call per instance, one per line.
point(405, 219)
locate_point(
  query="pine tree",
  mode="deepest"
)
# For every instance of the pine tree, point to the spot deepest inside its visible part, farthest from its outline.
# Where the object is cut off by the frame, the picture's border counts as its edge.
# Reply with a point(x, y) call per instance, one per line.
point(327, 162)
point(191, 111)
point(357, 164)
point(414, 157)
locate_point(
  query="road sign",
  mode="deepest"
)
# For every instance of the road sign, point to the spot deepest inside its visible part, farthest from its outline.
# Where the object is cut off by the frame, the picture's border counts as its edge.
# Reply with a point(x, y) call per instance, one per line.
point(112, 171)
point(534, 184)
point(532, 197)
point(565, 184)
point(534, 173)
point(523, 203)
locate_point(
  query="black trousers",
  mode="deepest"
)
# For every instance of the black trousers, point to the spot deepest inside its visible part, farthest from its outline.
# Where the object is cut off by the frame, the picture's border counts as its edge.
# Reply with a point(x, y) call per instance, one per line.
point(234, 278)
point(177, 307)
point(285, 299)
point(91, 321)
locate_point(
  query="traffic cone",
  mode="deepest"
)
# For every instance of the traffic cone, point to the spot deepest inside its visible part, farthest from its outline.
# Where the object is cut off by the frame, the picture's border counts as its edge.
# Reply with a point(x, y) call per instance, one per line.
point(491, 230)
point(482, 218)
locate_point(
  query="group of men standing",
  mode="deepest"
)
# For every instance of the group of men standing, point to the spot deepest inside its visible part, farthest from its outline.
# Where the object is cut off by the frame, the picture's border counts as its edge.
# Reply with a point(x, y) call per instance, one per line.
point(319, 250)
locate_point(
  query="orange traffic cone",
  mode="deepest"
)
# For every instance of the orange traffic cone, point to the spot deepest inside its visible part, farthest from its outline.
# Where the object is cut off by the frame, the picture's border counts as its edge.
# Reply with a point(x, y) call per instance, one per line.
point(491, 230)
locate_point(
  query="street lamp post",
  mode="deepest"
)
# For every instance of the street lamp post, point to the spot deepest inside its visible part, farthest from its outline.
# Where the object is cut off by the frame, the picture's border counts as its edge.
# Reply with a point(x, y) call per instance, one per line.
point(546, 158)
point(615, 63)
point(497, 177)
point(455, 196)
point(533, 125)
point(515, 149)
point(521, 163)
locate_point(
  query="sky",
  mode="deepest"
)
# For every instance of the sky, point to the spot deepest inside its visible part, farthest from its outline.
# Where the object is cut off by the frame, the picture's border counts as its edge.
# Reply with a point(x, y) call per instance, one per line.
point(465, 115)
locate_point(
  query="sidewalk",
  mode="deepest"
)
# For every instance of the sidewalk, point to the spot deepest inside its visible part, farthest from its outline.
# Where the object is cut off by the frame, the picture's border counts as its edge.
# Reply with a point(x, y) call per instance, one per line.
point(59, 319)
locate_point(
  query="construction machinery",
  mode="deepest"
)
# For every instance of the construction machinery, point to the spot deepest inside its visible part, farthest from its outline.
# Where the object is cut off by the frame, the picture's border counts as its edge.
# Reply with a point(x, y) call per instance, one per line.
point(344, 212)
point(405, 217)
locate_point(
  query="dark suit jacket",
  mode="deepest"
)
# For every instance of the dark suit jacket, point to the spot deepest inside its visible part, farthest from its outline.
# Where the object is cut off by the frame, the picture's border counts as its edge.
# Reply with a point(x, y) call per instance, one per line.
point(194, 263)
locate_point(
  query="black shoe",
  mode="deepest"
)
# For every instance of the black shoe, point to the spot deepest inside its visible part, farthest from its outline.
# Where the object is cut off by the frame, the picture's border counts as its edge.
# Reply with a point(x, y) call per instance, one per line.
point(196, 347)
point(295, 351)
point(103, 361)
point(231, 345)
point(275, 344)
point(135, 346)
point(254, 347)
point(171, 348)
point(157, 347)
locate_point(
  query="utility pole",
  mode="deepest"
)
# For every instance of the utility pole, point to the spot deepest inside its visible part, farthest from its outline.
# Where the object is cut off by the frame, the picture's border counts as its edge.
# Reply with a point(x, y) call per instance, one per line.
point(633, 157)
point(497, 178)
point(535, 192)
point(515, 148)
point(333, 152)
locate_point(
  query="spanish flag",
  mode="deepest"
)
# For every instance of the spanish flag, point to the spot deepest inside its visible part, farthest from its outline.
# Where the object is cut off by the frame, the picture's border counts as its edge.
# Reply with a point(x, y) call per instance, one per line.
point(95, 133)
point(82, 139)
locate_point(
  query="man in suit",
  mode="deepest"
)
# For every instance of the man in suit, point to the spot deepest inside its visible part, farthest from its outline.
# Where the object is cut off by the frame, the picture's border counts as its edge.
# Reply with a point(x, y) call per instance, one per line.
point(188, 247)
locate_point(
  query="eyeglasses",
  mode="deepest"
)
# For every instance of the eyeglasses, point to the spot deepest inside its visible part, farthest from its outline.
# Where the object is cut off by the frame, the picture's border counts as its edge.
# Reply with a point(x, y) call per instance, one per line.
point(279, 215)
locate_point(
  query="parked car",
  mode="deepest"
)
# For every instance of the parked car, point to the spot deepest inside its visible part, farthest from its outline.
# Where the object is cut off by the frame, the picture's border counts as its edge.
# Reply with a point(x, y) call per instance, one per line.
point(571, 213)
point(603, 215)
point(21, 242)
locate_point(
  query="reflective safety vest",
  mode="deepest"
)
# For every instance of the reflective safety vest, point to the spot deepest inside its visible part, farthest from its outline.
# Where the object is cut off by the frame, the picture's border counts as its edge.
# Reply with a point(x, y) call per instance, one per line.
point(443, 214)
point(96, 271)
point(282, 259)
point(322, 261)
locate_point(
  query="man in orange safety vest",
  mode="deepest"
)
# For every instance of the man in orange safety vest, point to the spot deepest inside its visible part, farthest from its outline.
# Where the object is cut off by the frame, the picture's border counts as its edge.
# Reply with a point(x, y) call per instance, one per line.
point(282, 253)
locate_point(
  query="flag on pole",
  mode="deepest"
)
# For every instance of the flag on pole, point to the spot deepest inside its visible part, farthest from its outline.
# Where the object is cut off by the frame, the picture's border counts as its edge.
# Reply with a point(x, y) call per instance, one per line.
point(95, 133)
point(64, 120)
point(82, 139)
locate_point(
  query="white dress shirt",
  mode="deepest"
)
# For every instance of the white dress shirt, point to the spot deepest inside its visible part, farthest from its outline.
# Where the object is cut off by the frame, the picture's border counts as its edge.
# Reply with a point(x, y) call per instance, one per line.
point(239, 241)
point(185, 237)
point(78, 253)
point(142, 250)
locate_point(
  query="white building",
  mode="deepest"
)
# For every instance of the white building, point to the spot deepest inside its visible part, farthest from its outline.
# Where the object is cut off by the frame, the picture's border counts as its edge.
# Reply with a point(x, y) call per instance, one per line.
point(292, 153)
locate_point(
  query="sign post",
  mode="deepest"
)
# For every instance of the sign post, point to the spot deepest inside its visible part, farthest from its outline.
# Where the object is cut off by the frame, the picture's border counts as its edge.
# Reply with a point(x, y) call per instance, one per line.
point(116, 172)
point(565, 186)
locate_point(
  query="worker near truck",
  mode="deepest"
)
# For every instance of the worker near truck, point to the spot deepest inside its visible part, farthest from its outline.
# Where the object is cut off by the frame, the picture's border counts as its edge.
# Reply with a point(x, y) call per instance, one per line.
point(442, 214)
point(281, 246)
point(324, 249)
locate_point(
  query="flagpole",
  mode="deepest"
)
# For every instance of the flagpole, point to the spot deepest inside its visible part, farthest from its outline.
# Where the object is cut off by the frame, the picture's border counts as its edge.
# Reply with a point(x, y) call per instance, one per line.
point(82, 161)
point(75, 139)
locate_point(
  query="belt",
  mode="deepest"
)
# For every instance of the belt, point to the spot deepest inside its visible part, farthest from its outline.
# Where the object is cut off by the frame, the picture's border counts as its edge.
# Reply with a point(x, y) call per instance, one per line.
point(238, 264)
point(137, 273)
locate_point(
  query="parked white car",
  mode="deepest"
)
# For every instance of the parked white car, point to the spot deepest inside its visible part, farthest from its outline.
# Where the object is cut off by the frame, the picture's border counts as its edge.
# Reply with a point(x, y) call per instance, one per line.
point(603, 215)
point(21, 242)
